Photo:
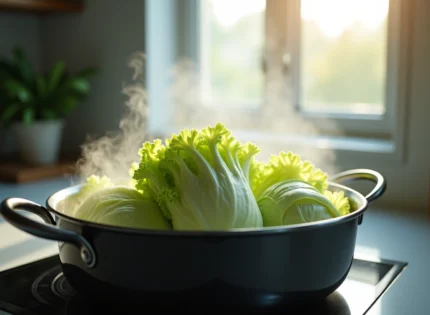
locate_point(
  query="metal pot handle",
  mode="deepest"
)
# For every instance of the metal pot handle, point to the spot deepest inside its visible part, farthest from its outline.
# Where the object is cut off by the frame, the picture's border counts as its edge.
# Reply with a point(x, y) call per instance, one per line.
point(47, 231)
point(377, 178)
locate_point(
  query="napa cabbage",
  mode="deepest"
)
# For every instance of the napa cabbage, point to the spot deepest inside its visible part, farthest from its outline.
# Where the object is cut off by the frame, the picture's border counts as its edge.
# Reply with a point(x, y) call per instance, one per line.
point(285, 166)
point(339, 201)
point(294, 202)
point(200, 179)
point(122, 207)
point(93, 183)
point(208, 180)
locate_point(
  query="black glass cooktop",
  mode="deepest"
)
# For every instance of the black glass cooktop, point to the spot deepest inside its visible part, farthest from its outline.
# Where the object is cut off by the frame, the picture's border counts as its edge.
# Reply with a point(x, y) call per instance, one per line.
point(40, 288)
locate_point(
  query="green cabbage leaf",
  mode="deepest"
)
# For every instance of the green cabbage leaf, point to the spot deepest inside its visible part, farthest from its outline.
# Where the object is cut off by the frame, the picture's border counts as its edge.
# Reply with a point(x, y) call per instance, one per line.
point(285, 166)
point(294, 202)
point(200, 179)
point(122, 207)
point(93, 183)
point(339, 201)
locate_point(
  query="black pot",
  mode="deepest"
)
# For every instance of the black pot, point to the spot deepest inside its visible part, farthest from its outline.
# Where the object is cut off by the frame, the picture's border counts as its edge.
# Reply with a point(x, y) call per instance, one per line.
point(254, 267)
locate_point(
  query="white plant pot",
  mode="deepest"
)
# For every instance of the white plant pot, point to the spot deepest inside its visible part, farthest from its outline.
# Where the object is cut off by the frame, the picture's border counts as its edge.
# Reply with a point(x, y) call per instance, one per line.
point(39, 142)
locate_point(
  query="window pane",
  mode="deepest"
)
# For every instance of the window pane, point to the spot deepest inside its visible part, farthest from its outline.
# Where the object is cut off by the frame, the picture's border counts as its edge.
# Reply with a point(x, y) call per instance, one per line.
point(232, 46)
point(343, 55)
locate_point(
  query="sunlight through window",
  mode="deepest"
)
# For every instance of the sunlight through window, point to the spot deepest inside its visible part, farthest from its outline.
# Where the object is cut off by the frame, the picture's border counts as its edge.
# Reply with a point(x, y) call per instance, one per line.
point(233, 41)
point(343, 55)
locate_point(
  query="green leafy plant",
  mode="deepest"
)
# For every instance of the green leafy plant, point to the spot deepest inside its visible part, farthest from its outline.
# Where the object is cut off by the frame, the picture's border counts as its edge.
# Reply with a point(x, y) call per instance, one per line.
point(27, 96)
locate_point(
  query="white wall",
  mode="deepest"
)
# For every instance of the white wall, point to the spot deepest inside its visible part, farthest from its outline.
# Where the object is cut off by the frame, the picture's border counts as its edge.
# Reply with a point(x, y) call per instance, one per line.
point(22, 29)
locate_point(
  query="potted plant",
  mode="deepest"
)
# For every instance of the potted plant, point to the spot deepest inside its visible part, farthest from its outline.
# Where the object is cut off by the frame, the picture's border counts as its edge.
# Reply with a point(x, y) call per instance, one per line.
point(35, 104)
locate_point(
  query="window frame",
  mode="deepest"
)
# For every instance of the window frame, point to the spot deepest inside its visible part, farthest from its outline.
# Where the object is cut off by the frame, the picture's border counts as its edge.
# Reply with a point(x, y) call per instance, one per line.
point(369, 133)
point(359, 125)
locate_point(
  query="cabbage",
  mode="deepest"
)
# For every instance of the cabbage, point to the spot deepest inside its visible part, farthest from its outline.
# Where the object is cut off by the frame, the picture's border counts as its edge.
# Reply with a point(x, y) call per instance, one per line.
point(200, 179)
point(339, 201)
point(293, 202)
point(208, 180)
point(123, 207)
point(285, 166)
point(93, 183)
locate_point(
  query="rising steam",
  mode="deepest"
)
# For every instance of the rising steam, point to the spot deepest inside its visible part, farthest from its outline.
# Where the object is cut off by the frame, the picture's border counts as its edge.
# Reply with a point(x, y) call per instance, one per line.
point(275, 127)
point(113, 154)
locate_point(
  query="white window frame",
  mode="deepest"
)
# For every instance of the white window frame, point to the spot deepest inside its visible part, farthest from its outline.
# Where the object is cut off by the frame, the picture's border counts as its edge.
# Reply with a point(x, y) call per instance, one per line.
point(383, 133)
point(380, 135)
point(373, 125)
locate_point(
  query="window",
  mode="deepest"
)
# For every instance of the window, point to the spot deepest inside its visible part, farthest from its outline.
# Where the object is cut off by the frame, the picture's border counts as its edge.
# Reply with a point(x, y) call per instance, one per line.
point(290, 67)
point(333, 54)
point(232, 42)
point(344, 63)
point(342, 56)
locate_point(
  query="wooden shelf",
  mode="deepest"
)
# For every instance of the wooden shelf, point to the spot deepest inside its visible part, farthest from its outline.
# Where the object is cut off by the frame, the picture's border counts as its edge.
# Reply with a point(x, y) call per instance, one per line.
point(18, 172)
point(42, 6)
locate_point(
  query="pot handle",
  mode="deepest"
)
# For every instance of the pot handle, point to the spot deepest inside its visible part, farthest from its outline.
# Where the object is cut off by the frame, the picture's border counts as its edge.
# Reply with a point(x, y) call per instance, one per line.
point(47, 231)
point(377, 178)
point(361, 173)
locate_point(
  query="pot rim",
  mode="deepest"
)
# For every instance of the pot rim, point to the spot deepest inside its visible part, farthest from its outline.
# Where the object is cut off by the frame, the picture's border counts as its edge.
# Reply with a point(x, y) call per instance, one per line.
point(357, 200)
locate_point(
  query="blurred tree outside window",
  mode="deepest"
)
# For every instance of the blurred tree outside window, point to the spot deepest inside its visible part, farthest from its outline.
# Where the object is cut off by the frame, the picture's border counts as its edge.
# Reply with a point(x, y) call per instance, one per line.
point(342, 58)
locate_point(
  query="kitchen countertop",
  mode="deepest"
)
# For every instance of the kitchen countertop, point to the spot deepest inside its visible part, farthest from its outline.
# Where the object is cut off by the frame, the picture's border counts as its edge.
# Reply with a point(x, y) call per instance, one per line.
point(36, 191)
point(17, 247)
point(389, 235)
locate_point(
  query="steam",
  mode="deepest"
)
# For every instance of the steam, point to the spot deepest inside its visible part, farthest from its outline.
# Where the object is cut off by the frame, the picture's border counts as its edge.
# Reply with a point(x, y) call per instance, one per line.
point(113, 154)
point(275, 126)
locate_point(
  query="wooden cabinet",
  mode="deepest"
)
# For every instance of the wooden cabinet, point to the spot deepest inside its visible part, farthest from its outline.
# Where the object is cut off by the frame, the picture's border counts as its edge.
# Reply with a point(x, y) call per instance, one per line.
point(42, 6)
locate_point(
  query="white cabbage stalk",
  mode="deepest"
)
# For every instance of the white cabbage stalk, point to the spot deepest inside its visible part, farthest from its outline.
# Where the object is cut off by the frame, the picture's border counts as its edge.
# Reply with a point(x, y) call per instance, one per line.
point(294, 202)
point(200, 179)
point(122, 207)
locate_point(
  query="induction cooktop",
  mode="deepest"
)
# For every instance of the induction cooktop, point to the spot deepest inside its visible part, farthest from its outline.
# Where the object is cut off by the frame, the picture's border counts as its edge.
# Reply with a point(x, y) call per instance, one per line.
point(39, 287)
